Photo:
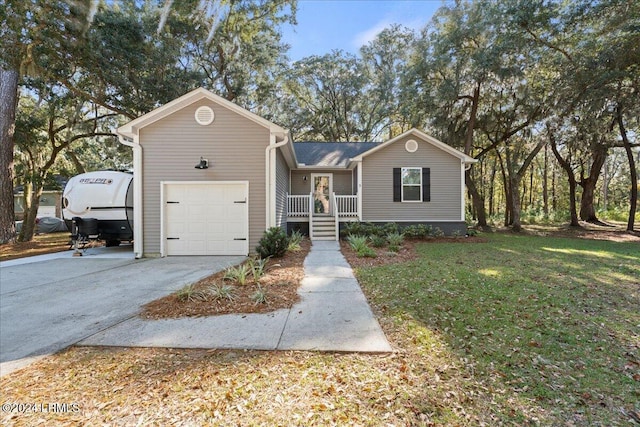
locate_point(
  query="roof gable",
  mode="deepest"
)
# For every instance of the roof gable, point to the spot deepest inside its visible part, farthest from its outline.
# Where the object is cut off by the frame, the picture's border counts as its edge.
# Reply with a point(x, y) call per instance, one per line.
point(424, 137)
point(132, 128)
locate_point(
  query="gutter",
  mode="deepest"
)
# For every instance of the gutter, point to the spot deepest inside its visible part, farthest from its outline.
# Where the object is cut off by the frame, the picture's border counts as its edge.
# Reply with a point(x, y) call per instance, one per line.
point(137, 193)
point(270, 176)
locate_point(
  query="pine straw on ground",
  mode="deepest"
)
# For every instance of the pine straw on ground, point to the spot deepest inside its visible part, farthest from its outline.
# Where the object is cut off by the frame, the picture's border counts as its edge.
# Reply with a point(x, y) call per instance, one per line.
point(421, 382)
point(41, 244)
point(280, 285)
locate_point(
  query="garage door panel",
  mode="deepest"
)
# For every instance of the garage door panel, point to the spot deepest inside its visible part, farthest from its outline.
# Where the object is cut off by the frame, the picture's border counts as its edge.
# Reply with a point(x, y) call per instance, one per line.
point(207, 218)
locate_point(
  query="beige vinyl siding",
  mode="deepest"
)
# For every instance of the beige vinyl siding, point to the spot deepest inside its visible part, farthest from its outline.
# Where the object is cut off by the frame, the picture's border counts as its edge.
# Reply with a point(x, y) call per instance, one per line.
point(171, 147)
point(342, 182)
point(377, 184)
point(282, 188)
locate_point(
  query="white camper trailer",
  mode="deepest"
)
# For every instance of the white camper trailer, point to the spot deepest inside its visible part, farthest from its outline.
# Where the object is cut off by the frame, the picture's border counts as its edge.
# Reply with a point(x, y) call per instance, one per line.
point(99, 205)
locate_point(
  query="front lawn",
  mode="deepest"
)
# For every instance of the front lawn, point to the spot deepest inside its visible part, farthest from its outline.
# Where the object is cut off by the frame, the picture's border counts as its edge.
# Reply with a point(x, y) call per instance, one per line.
point(551, 325)
point(519, 330)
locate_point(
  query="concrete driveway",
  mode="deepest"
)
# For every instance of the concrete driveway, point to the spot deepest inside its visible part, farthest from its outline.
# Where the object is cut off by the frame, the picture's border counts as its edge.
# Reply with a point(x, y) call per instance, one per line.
point(49, 303)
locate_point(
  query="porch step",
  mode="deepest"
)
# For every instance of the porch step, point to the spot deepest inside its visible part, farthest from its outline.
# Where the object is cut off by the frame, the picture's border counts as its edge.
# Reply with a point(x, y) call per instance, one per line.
point(324, 228)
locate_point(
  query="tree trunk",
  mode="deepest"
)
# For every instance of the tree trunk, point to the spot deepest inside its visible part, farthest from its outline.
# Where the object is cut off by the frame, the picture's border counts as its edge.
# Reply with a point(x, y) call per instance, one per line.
point(514, 184)
point(8, 105)
point(478, 201)
point(29, 225)
point(476, 197)
point(633, 197)
point(545, 183)
point(587, 202)
point(572, 181)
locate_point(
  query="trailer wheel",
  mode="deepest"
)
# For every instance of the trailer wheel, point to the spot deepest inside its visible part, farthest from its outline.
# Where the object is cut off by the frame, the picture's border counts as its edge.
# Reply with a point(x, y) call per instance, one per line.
point(112, 243)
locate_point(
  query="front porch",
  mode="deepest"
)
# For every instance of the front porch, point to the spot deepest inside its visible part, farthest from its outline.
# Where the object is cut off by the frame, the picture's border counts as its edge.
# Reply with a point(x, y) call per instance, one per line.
point(323, 212)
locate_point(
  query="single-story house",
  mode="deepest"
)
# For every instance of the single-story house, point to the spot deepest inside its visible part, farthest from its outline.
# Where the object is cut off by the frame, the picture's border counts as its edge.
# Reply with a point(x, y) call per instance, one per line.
point(210, 177)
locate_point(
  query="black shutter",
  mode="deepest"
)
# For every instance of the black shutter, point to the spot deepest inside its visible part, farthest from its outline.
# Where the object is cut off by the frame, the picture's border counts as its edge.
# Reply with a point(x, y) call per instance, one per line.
point(397, 185)
point(426, 184)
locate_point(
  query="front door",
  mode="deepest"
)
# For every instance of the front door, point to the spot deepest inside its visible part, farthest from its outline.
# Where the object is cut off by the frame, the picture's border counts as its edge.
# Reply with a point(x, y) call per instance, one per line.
point(322, 187)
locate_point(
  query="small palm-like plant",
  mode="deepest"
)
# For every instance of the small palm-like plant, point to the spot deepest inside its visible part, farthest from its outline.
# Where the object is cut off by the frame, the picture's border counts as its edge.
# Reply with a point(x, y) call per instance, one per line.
point(258, 267)
point(219, 292)
point(191, 293)
point(238, 273)
point(395, 239)
point(294, 241)
point(259, 296)
point(361, 246)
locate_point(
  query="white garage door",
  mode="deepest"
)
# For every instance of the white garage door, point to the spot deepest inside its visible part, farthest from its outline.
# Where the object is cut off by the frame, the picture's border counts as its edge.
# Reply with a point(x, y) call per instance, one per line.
point(208, 218)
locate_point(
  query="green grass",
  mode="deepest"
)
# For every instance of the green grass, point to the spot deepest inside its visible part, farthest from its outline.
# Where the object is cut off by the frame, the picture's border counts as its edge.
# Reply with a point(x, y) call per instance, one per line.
point(552, 321)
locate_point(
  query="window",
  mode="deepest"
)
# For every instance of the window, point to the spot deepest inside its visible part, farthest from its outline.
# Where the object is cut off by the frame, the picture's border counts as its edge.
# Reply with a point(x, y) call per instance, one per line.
point(411, 184)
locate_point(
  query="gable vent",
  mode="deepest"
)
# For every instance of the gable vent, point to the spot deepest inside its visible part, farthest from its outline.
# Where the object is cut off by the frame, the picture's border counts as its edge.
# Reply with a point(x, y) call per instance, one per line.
point(204, 115)
point(411, 146)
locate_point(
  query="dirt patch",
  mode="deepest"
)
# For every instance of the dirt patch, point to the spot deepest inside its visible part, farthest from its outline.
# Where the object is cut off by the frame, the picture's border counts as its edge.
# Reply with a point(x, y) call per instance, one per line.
point(279, 285)
point(406, 253)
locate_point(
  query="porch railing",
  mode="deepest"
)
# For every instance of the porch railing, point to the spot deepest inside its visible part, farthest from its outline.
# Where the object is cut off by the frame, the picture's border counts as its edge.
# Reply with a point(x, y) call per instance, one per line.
point(346, 205)
point(342, 206)
point(298, 205)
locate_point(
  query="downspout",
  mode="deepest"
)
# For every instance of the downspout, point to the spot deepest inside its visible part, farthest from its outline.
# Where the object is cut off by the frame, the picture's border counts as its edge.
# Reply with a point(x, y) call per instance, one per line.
point(137, 193)
point(270, 173)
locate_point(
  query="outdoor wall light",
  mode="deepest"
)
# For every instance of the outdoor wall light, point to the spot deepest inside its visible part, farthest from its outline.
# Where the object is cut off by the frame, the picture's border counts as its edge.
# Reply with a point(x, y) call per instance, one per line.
point(204, 163)
point(304, 178)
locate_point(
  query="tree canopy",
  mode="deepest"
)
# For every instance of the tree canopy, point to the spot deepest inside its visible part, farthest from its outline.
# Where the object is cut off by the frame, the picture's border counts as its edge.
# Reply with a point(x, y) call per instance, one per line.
point(544, 93)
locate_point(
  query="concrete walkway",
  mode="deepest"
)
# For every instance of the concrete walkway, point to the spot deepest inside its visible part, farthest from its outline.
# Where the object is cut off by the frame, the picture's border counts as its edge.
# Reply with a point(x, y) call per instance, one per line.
point(333, 315)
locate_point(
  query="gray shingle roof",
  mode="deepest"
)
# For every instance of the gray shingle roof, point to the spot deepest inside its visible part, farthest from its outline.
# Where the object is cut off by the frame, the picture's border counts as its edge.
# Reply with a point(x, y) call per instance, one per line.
point(336, 154)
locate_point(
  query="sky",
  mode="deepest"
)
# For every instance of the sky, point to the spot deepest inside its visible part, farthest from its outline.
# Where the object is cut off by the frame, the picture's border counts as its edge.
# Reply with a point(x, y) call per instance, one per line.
point(325, 25)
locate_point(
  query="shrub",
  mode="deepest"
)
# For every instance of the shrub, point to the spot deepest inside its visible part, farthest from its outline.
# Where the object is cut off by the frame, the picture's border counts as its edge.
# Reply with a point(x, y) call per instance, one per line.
point(472, 232)
point(377, 241)
point(222, 292)
point(390, 228)
point(356, 242)
point(394, 248)
point(395, 239)
point(190, 293)
point(417, 231)
point(239, 273)
point(294, 241)
point(360, 246)
point(274, 243)
point(438, 232)
point(362, 229)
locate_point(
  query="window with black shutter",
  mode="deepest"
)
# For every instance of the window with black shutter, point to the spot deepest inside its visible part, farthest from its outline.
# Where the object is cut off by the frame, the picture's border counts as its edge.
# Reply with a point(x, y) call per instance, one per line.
point(411, 184)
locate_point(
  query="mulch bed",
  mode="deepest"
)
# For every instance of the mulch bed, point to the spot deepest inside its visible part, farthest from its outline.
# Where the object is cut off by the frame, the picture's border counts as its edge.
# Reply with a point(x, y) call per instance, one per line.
point(280, 284)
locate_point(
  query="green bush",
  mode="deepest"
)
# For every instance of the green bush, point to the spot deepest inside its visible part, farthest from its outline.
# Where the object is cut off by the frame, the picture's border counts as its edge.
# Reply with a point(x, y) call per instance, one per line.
point(389, 228)
point(294, 241)
point(417, 231)
point(395, 239)
point(377, 241)
point(361, 246)
point(274, 243)
point(438, 232)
